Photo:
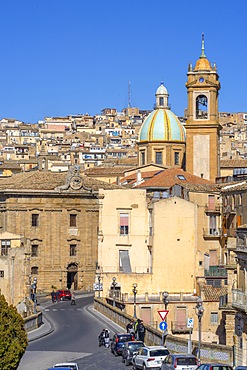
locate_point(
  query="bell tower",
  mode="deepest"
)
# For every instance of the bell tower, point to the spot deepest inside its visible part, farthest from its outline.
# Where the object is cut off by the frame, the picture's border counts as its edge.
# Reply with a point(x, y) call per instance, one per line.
point(202, 126)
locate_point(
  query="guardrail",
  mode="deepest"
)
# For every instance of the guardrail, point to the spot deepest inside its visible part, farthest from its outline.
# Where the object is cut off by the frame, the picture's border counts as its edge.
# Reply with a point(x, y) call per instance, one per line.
point(209, 352)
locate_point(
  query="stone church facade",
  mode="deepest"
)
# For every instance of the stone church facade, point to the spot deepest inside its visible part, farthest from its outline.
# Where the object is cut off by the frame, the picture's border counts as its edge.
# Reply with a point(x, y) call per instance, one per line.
point(58, 213)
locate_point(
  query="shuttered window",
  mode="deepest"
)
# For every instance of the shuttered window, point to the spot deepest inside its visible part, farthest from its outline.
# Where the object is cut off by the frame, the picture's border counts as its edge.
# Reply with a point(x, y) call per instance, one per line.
point(124, 223)
point(124, 261)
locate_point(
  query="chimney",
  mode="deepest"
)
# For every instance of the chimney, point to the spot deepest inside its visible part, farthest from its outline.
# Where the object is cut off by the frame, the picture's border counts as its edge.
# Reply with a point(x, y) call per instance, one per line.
point(138, 177)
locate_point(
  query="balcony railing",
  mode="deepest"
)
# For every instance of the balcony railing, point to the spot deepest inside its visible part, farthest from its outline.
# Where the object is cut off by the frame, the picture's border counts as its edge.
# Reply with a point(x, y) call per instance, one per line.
point(216, 271)
point(239, 299)
point(179, 327)
point(212, 233)
point(215, 208)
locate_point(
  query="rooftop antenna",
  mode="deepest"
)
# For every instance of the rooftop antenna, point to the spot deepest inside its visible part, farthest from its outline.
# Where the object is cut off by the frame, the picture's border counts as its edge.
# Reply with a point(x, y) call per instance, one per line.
point(129, 95)
point(203, 48)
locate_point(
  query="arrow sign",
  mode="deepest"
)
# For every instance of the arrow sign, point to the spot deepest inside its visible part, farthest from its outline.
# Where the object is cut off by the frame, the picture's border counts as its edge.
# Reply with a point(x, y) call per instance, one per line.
point(163, 325)
point(163, 314)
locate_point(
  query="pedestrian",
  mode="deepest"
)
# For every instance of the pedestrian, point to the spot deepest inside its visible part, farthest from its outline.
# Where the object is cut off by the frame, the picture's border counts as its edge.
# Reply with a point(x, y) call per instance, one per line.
point(53, 296)
point(141, 331)
point(129, 327)
point(73, 298)
point(136, 326)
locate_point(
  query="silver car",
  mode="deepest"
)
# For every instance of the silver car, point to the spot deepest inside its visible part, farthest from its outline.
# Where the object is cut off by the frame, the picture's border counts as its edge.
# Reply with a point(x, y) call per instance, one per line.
point(180, 362)
point(68, 365)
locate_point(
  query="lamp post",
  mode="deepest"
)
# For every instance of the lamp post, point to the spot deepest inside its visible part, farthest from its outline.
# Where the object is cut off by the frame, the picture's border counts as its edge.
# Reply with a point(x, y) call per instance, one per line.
point(34, 294)
point(165, 301)
point(134, 290)
point(114, 283)
point(199, 313)
point(99, 279)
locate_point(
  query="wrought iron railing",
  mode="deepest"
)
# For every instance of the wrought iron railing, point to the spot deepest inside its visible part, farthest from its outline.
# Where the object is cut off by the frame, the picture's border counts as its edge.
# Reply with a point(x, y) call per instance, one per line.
point(217, 271)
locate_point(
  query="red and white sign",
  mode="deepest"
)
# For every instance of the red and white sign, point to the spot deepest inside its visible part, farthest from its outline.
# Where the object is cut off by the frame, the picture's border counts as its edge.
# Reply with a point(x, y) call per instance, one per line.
point(163, 314)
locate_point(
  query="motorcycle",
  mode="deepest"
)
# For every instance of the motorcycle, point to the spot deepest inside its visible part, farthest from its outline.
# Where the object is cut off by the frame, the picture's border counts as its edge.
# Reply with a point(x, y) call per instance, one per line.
point(107, 342)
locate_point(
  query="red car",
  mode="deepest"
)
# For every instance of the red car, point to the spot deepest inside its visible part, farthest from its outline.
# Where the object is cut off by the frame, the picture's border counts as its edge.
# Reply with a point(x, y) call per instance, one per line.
point(62, 295)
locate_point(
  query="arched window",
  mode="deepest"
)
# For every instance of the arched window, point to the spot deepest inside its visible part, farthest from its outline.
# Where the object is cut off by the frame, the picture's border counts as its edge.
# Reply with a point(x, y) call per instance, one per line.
point(201, 107)
point(34, 270)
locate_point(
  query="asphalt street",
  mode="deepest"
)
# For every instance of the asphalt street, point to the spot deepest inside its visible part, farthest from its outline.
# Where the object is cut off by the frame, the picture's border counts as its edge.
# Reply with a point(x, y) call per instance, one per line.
point(70, 334)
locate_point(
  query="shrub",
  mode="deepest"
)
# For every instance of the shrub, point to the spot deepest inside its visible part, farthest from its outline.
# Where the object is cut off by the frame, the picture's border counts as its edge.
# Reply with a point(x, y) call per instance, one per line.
point(13, 337)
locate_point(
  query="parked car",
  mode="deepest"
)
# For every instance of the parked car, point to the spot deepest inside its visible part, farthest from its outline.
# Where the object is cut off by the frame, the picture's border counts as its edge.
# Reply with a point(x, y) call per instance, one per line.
point(216, 366)
point(150, 357)
point(67, 365)
point(180, 362)
point(241, 368)
point(130, 349)
point(63, 295)
point(118, 342)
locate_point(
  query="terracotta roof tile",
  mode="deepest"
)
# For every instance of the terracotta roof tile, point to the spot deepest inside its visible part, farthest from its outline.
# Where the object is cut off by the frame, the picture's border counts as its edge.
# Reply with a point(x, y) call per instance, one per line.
point(47, 180)
point(114, 170)
point(172, 176)
point(233, 163)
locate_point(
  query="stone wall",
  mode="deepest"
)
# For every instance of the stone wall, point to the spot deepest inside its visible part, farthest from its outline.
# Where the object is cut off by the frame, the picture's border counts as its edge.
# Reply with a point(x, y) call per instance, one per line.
point(209, 352)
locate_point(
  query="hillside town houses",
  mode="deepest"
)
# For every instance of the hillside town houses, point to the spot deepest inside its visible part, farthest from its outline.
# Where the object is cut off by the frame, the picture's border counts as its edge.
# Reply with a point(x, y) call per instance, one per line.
point(144, 207)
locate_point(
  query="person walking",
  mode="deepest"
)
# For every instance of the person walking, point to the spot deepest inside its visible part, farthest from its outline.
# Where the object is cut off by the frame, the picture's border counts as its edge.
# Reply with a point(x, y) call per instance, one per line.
point(73, 298)
point(129, 327)
point(53, 296)
point(141, 331)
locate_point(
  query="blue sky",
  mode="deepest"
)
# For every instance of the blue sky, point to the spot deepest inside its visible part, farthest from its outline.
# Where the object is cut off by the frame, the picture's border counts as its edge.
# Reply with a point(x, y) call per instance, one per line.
point(61, 57)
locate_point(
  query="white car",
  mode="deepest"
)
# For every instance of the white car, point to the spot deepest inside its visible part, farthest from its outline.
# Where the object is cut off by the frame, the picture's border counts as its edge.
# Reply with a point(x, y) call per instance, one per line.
point(150, 357)
point(69, 365)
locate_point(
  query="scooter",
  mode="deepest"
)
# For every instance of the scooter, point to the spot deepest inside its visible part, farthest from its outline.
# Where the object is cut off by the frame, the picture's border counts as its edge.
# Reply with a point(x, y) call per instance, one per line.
point(107, 342)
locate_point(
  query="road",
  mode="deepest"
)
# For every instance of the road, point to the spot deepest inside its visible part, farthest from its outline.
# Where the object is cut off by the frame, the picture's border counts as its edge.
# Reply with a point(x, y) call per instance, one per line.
point(74, 339)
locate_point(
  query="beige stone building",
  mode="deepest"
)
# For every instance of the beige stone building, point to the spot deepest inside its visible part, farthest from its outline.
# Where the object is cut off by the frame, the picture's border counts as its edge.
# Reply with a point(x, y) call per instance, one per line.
point(14, 267)
point(163, 238)
point(58, 213)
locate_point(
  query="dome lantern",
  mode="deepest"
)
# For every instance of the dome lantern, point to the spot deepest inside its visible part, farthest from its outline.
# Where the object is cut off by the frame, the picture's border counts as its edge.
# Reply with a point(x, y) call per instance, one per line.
point(161, 97)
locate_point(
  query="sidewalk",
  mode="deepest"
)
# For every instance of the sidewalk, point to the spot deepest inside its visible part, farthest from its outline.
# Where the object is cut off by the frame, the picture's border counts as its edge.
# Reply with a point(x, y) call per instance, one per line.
point(47, 327)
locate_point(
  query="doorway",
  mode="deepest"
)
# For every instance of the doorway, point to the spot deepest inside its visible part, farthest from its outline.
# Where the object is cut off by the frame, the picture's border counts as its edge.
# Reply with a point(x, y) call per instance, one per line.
point(72, 276)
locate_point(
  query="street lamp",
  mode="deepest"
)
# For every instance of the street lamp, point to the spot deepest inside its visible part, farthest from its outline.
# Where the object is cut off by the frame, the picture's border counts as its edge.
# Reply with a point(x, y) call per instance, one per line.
point(34, 294)
point(165, 296)
point(134, 290)
point(114, 283)
point(165, 299)
point(199, 313)
point(99, 279)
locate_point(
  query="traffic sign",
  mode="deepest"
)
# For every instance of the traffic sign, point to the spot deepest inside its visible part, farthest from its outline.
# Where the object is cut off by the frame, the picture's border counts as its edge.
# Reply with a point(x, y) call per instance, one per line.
point(163, 314)
point(163, 325)
point(190, 323)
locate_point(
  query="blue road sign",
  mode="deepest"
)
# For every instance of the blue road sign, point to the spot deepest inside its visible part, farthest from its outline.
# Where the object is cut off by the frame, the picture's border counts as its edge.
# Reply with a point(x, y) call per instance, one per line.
point(163, 325)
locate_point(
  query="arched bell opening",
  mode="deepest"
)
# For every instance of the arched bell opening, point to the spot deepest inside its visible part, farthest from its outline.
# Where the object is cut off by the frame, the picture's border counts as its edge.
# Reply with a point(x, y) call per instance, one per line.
point(201, 107)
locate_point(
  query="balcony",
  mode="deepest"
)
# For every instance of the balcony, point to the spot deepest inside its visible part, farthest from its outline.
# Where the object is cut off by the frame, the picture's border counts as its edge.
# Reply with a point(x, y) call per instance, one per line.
point(212, 208)
point(213, 233)
point(227, 209)
point(223, 301)
point(239, 300)
point(231, 232)
point(215, 271)
point(179, 327)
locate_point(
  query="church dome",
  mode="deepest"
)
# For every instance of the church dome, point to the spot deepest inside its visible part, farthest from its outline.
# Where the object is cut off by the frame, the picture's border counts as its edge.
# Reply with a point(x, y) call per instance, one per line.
point(162, 125)
point(203, 64)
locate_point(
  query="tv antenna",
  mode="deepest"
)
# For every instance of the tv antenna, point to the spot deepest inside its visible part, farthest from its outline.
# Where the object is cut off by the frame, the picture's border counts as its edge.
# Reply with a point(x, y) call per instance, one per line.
point(129, 95)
